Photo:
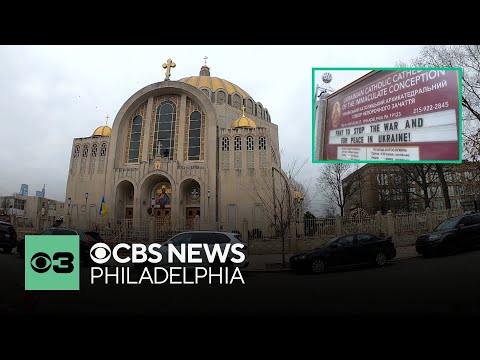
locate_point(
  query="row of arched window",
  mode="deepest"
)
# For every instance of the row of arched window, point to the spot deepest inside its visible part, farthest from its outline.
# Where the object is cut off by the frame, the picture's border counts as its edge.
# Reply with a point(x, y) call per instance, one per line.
point(85, 150)
point(250, 143)
point(235, 100)
point(164, 133)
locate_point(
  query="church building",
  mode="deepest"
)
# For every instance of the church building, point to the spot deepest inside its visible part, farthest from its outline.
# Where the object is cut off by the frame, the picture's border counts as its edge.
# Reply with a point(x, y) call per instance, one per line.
point(177, 150)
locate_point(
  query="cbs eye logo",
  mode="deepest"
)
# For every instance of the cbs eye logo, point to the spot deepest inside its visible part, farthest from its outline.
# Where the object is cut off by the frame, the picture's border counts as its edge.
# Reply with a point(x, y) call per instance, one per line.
point(100, 253)
point(41, 262)
point(52, 262)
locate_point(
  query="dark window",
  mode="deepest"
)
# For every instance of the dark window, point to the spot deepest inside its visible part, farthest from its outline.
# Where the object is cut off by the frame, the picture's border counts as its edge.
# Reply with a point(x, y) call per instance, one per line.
point(346, 240)
point(262, 143)
point(467, 221)
point(76, 152)
point(164, 136)
point(249, 106)
point(94, 150)
point(225, 144)
point(200, 238)
point(194, 136)
point(5, 228)
point(85, 151)
point(135, 137)
point(475, 219)
point(219, 238)
point(249, 143)
point(237, 143)
point(365, 238)
point(221, 97)
point(64, 232)
point(47, 232)
point(103, 149)
point(236, 101)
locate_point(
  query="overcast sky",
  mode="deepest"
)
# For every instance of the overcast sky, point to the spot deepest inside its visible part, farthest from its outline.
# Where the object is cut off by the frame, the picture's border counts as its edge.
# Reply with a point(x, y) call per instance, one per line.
point(52, 94)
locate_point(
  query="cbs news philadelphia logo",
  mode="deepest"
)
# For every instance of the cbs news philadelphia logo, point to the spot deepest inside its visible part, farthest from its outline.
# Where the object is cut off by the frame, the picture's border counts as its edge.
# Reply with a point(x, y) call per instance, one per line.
point(52, 262)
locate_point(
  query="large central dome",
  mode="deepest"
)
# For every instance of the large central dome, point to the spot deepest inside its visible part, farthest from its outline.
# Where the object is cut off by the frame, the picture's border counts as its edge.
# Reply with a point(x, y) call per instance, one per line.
point(213, 83)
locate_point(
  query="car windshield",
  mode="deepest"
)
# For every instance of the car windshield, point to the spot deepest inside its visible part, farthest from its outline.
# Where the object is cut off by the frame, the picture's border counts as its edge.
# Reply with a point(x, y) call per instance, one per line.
point(448, 224)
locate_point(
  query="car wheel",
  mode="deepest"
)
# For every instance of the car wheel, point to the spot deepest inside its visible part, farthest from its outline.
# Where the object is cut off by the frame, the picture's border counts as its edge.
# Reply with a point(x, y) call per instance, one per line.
point(381, 258)
point(318, 266)
point(7, 250)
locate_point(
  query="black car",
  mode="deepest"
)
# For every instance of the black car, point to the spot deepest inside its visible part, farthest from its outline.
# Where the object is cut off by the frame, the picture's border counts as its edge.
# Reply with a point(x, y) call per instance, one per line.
point(346, 250)
point(87, 240)
point(461, 232)
point(8, 237)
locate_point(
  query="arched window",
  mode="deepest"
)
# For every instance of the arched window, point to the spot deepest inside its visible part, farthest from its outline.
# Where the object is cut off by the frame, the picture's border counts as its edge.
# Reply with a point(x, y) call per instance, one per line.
point(262, 146)
point(237, 143)
point(207, 94)
point(237, 101)
point(267, 117)
point(249, 106)
point(76, 151)
point(260, 111)
point(135, 136)
point(221, 97)
point(85, 151)
point(94, 150)
point(103, 149)
point(225, 153)
point(164, 136)
point(225, 144)
point(237, 147)
point(250, 160)
point(194, 136)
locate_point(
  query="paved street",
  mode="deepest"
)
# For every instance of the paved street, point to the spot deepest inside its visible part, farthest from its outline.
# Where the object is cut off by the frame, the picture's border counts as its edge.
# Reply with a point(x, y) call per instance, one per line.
point(436, 286)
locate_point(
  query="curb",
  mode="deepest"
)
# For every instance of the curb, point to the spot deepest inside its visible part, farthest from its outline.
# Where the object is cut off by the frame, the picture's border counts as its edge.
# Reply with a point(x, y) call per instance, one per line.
point(289, 269)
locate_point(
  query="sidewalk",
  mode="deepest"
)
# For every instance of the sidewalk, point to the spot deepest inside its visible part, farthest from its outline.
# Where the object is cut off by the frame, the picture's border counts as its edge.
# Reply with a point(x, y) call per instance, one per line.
point(274, 262)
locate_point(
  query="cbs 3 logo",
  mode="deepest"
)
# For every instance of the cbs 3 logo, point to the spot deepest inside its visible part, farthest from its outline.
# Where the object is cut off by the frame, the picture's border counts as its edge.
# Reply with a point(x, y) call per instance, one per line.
point(41, 262)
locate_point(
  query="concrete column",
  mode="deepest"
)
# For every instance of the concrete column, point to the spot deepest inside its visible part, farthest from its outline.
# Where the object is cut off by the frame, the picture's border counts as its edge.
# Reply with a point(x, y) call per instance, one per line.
point(390, 224)
point(338, 225)
point(245, 230)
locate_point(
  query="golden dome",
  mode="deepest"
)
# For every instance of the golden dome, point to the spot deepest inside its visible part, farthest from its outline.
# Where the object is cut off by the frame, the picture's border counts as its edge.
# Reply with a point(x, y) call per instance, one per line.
point(103, 130)
point(214, 84)
point(243, 122)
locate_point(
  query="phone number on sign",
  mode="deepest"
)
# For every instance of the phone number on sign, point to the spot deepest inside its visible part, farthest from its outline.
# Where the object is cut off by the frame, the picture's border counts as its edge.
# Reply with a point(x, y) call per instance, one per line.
point(426, 108)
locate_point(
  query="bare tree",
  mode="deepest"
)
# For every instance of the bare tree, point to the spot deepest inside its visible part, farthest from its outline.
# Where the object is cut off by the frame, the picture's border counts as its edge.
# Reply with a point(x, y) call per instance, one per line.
point(466, 57)
point(274, 189)
point(425, 177)
point(338, 183)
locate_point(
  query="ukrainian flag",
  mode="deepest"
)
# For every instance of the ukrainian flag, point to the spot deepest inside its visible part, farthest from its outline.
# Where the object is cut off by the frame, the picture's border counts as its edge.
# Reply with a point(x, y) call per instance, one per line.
point(103, 207)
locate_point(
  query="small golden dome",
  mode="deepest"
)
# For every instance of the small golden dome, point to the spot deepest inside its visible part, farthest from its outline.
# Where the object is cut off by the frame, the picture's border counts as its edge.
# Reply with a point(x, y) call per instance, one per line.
point(243, 122)
point(103, 130)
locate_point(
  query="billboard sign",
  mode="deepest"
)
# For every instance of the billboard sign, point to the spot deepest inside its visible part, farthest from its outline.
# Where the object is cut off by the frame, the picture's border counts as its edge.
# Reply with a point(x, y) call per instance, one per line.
point(395, 115)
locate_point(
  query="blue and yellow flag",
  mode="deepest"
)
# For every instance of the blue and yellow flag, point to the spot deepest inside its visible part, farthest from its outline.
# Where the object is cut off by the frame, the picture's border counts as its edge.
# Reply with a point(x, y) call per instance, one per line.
point(103, 207)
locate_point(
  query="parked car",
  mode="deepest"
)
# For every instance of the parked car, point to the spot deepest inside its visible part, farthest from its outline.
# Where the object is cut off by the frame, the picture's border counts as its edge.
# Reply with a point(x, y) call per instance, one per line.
point(461, 232)
point(8, 237)
point(87, 240)
point(346, 250)
point(201, 237)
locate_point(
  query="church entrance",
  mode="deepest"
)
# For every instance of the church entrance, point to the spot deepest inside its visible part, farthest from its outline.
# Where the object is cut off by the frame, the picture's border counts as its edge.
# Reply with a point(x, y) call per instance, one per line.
point(191, 195)
point(190, 218)
point(124, 202)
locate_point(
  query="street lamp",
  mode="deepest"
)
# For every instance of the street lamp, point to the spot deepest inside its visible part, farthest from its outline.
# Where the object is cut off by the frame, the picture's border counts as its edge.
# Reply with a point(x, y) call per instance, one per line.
point(86, 208)
point(69, 202)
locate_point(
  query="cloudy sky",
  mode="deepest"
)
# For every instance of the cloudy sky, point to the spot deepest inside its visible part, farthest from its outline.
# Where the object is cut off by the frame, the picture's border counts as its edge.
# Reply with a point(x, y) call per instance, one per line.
point(52, 94)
